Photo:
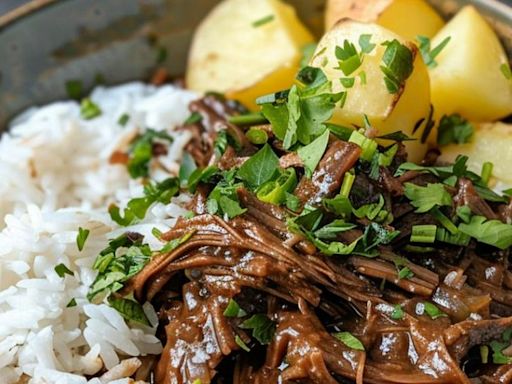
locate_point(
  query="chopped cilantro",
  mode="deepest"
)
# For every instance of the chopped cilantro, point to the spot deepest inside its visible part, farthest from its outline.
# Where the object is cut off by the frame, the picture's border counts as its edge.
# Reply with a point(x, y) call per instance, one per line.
point(507, 72)
point(429, 55)
point(365, 43)
point(141, 152)
point(136, 208)
point(72, 303)
point(62, 270)
point(491, 232)
point(89, 110)
point(114, 268)
point(129, 309)
point(426, 198)
point(454, 129)
point(260, 167)
point(123, 119)
point(242, 344)
point(74, 89)
point(263, 21)
point(308, 51)
point(348, 58)
point(430, 309)
point(313, 152)
point(195, 117)
point(397, 313)
point(81, 238)
point(262, 328)
point(397, 65)
point(234, 310)
point(349, 340)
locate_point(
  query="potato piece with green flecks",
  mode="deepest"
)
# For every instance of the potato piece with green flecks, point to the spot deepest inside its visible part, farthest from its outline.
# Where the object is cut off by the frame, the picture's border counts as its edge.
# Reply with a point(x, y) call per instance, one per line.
point(366, 77)
point(246, 49)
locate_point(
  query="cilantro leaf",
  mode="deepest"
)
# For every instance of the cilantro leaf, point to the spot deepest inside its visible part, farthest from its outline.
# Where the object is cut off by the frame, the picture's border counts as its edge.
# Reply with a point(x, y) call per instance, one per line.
point(89, 110)
point(430, 309)
point(74, 89)
point(62, 270)
point(234, 310)
point(136, 208)
point(115, 268)
point(262, 328)
point(428, 54)
point(264, 20)
point(491, 232)
point(348, 58)
point(426, 198)
point(129, 309)
point(308, 51)
point(349, 340)
point(507, 72)
point(397, 313)
point(313, 152)
point(188, 166)
point(81, 238)
point(454, 129)
point(397, 65)
point(241, 344)
point(365, 43)
point(260, 167)
point(141, 152)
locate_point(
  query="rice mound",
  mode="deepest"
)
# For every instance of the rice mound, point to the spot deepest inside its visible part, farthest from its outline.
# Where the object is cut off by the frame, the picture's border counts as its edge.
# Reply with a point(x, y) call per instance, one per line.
point(56, 177)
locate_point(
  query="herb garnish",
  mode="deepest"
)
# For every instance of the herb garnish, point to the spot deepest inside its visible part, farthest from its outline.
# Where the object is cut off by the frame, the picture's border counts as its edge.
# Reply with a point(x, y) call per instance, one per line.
point(426, 198)
point(454, 129)
point(81, 238)
point(262, 328)
point(89, 110)
point(349, 340)
point(129, 309)
point(141, 152)
point(260, 167)
point(507, 72)
point(492, 232)
point(74, 89)
point(429, 55)
point(263, 21)
point(397, 65)
point(234, 310)
point(136, 208)
point(62, 270)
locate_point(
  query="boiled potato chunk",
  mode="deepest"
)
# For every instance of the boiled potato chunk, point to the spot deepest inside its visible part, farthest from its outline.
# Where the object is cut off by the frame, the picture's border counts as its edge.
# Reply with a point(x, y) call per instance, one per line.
point(468, 79)
point(387, 112)
point(246, 48)
point(491, 142)
point(407, 18)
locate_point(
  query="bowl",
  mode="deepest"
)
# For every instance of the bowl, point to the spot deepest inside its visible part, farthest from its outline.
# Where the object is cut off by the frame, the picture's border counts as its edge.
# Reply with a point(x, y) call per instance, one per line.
point(46, 43)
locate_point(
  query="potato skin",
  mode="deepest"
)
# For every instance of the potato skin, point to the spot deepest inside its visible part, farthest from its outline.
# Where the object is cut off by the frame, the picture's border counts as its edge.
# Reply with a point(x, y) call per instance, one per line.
point(407, 18)
point(386, 112)
point(232, 55)
point(468, 79)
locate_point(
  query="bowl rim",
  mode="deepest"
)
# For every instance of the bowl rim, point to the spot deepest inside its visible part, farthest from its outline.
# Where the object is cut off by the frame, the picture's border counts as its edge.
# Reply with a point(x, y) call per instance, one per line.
point(23, 10)
point(35, 5)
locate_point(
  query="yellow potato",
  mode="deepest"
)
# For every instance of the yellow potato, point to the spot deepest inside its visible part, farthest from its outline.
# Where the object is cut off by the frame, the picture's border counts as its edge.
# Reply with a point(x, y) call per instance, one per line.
point(407, 18)
point(491, 142)
point(387, 112)
point(234, 55)
point(468, 79)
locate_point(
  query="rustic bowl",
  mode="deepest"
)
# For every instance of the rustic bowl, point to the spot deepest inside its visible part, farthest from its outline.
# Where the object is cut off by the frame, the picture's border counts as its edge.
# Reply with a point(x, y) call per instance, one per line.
point(48, 42)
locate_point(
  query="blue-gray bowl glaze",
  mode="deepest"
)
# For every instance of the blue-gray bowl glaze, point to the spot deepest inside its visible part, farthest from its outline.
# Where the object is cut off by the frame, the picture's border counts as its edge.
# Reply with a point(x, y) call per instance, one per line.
point(46, 43)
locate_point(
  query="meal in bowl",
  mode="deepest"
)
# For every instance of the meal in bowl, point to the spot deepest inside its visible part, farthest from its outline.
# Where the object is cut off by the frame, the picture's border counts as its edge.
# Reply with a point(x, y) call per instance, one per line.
point(300, 212)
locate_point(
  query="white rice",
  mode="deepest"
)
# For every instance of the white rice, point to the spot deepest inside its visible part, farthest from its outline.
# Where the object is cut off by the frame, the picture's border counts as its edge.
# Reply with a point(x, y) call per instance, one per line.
point(55, 177)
